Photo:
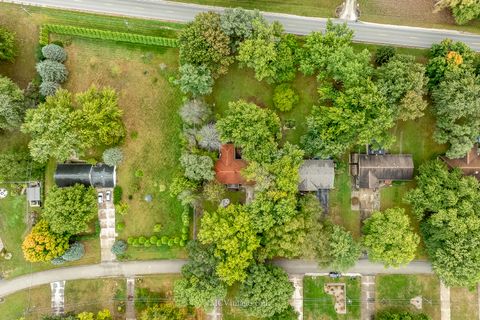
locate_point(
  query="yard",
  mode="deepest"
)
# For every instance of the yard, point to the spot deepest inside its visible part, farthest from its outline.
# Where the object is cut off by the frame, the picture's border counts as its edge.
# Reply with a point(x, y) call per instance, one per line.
point(464, 303)
point(395, 291)
point(318, 305)
point(31, 304)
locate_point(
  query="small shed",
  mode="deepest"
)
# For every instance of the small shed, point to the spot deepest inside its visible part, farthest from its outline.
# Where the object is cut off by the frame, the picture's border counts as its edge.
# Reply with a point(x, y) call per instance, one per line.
point(316, 175)
point(34, 195)
point(97, 176)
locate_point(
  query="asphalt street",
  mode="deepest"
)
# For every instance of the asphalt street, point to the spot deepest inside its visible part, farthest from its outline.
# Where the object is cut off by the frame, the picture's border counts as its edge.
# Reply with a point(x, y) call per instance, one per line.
point(182, 12)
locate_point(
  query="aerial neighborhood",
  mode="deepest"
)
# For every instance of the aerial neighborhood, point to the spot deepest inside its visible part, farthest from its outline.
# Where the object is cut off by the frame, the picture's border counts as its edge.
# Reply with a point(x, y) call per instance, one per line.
point(240, 160)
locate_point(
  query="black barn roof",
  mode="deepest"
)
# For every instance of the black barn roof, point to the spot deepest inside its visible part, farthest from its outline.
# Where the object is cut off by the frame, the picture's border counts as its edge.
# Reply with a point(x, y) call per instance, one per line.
point(98, 176)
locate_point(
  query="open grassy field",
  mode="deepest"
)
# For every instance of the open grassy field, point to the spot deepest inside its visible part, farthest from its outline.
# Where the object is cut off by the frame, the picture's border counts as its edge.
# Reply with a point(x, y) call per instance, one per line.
point(317, 305)
point(395, 291)
point(464, 303)
point(93, 295)
point(31, 304)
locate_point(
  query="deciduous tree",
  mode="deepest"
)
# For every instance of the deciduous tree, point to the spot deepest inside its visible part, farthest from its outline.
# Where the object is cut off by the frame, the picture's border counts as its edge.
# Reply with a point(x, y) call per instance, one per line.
point(389, 237)
point(463, 10)
point(17, 165)
point(195, 80)
point(197, 167)
point(41, 244)
point(195, 112)
point(237, 23)
point(266, 291)
point(12, 105)
point(209, 138)
point(70, 209)
point(232, 233)
point(343, 250)
point(284, 97)
point(7, 45)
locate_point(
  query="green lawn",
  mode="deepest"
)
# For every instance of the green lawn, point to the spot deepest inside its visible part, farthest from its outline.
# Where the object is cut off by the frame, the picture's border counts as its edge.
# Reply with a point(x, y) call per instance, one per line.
point(464, 303)
point(31, 304)
point(230, 310)
point(317, 305)
point(395, 291)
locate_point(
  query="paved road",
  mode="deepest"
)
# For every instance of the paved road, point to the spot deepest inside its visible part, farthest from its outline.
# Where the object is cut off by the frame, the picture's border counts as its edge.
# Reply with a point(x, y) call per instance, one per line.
point(181, 12)
point(129, 269)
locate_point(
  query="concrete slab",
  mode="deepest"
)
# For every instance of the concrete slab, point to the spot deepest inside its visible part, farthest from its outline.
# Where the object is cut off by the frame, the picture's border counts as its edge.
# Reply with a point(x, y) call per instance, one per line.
point(58, 297)
point(445, 313)
point(297, 298)
point(368, 297)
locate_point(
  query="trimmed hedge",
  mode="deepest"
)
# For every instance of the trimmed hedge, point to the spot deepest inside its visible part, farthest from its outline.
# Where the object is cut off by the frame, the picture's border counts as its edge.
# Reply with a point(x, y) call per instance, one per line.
point(104, 35)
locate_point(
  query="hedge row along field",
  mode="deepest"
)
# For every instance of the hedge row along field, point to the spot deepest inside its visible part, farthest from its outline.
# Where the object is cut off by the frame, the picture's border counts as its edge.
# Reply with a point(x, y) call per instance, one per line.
point(104, 35)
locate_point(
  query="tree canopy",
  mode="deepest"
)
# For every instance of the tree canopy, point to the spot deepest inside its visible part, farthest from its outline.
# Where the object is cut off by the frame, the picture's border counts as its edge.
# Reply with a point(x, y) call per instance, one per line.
point(7, 45)
point(343, 250)
point(70, 209)
point(238, 24)
point(447, 205)
point(12, 105)
point(231, 231)
point(389, 237)
point(463, 10)
point(17, 165)
point(42, 244)
point(253, 129)
point(266, 291)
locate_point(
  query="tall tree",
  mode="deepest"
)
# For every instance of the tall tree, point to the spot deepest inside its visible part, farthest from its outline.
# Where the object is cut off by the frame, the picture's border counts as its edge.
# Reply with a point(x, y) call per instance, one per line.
point(195, 80)
point(389, 237)
point(457, 108)
point(402, 75)
point(463, 10)
point(231, 231)
point(52, 129)
point(253, 129)
point(17, 165)
point(69, 210)
point(7, 45)
point(344, 250)
point(200, 285)
point(266, 291)
point(12, 105)
point(203, 42)
point(41, 244)
point(447, 205)
point(100, 117)
point(238, 24)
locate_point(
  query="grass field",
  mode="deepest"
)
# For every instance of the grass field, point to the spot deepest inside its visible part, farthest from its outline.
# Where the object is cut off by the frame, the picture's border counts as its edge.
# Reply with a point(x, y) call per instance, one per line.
point(230, 311)
point(317, 305)
point(464, 303)
point(93, 295)
point(31, 304)
point(395, 291)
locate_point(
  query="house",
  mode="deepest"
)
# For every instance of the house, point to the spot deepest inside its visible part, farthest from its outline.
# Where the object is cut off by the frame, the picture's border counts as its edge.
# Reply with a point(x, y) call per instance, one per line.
point(98, 176)
point(34, 194)
point(316, 175)
point(470, 164)
point(372, 171)
point(229, 166)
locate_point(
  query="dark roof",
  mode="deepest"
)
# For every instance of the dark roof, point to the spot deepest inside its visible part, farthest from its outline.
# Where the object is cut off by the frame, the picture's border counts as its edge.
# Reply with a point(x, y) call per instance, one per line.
point(375, 168)
point(316, 174)
point(227, 168)
point(98, 176)
point(470, 164)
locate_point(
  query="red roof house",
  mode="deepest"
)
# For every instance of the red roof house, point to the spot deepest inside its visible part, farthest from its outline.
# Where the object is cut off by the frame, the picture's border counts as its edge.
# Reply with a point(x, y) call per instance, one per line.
point(229, 165)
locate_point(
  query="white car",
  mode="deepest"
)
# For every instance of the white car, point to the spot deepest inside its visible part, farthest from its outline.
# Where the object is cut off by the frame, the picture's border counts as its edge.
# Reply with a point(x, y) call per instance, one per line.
point(108, 196)
point(100, 197)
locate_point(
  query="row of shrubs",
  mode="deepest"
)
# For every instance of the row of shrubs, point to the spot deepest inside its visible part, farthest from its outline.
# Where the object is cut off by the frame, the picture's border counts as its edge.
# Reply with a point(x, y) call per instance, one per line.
point(104, 35)
point(51, 69)
point(155, 241)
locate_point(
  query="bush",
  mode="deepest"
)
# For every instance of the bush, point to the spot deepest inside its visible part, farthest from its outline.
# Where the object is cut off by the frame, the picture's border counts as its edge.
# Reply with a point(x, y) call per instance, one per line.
point(284, 97)
point(117, 195)
point(54, 52)
point(119, 247)
point(153, 239)
point(7, 45)
point(130, 240)
point(164, 240)
point(185, 229)
point(147, 244)
point(384, 54)
point(142, 240)
point(157, 228)
point(182, 243)
point(75, 252)
point(48, 88)
point(184, 236)
point(176, 240)
point(57, 261)
point(197, 167)
point(112, 156)
point(208, 138)
point(159, 243)
point(214, 191)
point(53, 71)
point(120, 226)
point(136, 243)
point(171, 242)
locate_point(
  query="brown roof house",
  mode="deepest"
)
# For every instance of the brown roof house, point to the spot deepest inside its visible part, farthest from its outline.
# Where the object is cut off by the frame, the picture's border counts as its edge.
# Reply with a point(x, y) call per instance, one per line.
point(229, 166)
point(316, 175)
point(470, 164)
point(372, 171)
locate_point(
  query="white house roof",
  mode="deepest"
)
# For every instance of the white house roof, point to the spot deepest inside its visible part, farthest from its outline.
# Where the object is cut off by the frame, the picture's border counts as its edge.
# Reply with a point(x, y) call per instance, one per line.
point(316, 174)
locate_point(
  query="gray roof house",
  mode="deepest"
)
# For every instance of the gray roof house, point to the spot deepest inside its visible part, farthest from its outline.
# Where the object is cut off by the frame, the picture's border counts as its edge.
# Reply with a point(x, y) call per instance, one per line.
point(371, 171)
point(98, 176)
point(316, 175)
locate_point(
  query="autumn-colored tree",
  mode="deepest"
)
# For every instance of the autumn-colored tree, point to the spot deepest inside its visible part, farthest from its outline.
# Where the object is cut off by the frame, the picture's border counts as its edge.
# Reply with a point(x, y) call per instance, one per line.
point(41, 244)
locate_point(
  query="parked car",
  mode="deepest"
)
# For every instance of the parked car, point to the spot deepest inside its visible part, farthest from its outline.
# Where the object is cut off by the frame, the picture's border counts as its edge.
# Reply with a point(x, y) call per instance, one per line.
point(108, 195)
point(334, 274)
point(100, 197)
